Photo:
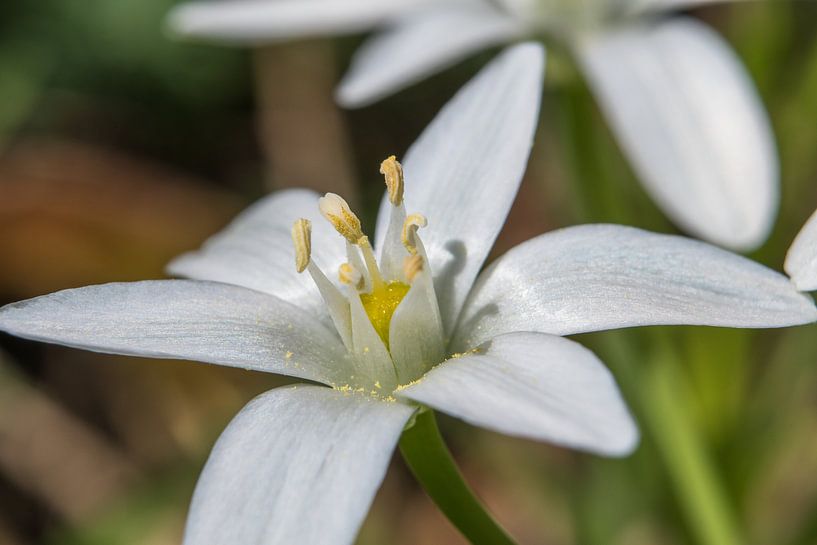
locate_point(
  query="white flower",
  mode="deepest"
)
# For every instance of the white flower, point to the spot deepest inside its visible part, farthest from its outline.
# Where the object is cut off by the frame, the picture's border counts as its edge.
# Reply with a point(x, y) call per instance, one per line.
point(801, 259)
point(418, 326)
point(682, 106)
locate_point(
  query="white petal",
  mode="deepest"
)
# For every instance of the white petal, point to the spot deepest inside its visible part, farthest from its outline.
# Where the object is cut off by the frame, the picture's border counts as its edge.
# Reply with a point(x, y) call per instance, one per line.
point(372, 359)
point(297, 465)
point(536, 386)
point(639, 6)
point(255, 250)
point(464, 170)
point(337, 306)
point(183, 319)
point(421, 45)
point(686, 112)
point(261, 21)
point(416, 331)
point(597, 277)
point(801, 261)
point(526, 9)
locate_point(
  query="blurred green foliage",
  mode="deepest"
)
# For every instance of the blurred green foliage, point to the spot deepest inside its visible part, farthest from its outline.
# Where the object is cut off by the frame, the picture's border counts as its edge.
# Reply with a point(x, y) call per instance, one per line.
point(60, 59)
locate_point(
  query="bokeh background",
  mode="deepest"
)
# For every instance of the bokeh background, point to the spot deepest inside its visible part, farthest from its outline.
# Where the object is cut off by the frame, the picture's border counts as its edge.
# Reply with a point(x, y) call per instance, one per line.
point(121, 147)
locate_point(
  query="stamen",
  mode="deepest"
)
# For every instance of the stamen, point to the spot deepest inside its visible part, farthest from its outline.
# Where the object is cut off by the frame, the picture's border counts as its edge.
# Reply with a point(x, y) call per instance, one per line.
point(338, 307)
point(350, 276)
point(410, 226)
point(412, 266)
point(337, 212)
point(392, 252)
point(302, 240)
point(371, 263)
point(354, 258)
point(393, 172)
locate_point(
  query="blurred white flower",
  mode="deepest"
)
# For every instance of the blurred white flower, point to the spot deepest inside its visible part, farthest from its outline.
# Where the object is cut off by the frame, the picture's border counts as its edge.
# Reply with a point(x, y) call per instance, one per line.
point(801, 259)
point(680, 102)
point(301, 464)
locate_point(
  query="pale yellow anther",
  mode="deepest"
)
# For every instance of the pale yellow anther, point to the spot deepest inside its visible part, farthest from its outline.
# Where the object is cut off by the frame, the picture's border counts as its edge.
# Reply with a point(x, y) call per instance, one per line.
point(302, 240)
point(412, 266)
point(337, 212)
point(392, 170)
point(410, 226)
point(350, 276)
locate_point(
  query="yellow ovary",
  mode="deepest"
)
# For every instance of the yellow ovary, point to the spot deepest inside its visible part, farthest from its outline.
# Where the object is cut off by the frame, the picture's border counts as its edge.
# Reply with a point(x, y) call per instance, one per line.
point(381, 304)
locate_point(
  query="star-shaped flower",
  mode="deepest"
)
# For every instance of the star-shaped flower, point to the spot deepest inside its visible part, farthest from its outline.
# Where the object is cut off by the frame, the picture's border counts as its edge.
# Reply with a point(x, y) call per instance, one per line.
point(417, 327)
point(681, 104)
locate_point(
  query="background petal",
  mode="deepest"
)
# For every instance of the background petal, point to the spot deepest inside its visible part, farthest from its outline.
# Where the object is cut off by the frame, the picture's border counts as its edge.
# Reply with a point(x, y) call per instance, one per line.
point(597, 277)
point(801, 260)
point(639, 6)
point(420, 45)
point(536, 386)
point(464, 170)
point(297, 465)
point(262, 21)
point(255, 251)
point(183, 319)
point(687, 114)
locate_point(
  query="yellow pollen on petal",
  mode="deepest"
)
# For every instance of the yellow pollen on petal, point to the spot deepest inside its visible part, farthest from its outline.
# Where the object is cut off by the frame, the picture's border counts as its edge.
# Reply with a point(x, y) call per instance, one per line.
point(458, 355)
point(381, 304)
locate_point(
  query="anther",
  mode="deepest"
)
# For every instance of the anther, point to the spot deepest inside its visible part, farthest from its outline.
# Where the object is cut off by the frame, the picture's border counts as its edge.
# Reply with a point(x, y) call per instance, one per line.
point(302, 240)
point(412, 266)
point(409, 235)
point(337, 212)
point(392, 170)
point(350, 276)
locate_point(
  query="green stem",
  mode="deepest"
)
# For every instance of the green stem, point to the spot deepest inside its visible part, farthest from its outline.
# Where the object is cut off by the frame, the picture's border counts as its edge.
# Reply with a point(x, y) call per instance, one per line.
point(430, 461)
point(701, 493)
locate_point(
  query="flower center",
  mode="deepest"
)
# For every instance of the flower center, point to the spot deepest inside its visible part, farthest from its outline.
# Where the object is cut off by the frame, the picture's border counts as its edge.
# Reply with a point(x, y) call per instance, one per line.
point(385, 313)
point(380, 305)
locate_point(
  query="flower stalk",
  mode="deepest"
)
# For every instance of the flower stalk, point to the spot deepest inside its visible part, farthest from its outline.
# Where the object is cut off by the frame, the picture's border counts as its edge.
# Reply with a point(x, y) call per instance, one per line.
point(431, 463)
point(297, 81)
point(699, 490)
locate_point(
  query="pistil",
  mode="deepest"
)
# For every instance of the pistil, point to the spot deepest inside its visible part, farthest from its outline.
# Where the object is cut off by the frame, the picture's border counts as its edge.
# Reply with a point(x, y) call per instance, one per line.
point(365, 246)
point(381, 304)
